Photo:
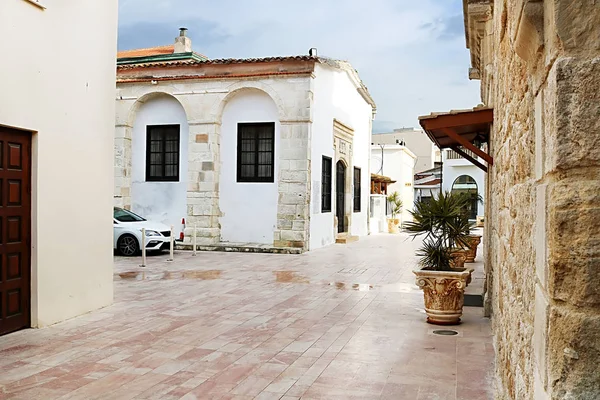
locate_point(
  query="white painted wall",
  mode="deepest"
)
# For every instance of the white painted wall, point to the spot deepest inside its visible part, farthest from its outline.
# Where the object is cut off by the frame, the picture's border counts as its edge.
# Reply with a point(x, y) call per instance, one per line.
point(417, 141)
point(249, 210)
point(398, 164)
point(57, 79)
point(452, 169)
point(164, 202)
point(336, 97)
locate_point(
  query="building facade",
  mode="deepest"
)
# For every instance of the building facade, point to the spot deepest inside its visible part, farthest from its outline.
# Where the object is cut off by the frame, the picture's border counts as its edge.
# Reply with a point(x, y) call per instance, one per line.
point(268, 151)
point(460, 176)
point(398, 162)
point(56, 135)
point(416, 141)
point(428, 183)
point(539, 66)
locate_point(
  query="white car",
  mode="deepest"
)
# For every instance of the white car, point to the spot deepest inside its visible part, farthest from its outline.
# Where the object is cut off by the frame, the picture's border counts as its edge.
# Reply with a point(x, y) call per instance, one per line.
point(128, 233)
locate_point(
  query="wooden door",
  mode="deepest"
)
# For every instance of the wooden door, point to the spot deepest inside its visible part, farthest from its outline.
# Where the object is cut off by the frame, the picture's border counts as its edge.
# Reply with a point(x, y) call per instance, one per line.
point(15, 217)
point(340, 195)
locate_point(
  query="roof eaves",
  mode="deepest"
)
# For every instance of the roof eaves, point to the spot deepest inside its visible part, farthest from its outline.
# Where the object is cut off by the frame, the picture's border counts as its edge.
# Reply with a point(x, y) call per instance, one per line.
point(190, 56)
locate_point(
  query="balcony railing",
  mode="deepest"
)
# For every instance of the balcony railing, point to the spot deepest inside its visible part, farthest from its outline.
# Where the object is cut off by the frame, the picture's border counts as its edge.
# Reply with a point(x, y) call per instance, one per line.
point(453, 155)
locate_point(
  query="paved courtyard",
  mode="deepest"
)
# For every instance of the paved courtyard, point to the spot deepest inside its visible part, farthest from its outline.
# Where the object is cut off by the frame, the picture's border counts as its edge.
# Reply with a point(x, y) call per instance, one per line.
point(343, 322)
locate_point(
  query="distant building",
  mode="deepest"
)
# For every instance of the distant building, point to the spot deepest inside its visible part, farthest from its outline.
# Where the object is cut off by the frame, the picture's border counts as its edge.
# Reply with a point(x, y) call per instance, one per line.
point(263, 152)
point(416, 141)
point(396, 162)
point(460, 176)
point(428, 183)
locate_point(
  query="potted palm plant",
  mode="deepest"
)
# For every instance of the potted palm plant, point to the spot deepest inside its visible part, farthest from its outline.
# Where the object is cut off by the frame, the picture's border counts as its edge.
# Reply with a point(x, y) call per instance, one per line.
point(444, 227)
point(472, 241)
point(396, 205)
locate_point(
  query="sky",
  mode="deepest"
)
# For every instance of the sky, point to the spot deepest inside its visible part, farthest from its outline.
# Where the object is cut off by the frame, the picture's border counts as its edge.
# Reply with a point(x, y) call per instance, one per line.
point(410, 54)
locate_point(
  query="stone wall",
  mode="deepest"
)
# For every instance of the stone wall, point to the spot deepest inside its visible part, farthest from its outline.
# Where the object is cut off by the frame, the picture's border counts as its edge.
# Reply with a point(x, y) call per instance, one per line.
point(204, 102)
point(543, 210)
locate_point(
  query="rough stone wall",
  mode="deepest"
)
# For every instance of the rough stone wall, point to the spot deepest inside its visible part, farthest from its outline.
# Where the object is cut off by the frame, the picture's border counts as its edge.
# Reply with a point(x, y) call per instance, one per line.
point(544, 206)
point(510, 223)
point(204, 102)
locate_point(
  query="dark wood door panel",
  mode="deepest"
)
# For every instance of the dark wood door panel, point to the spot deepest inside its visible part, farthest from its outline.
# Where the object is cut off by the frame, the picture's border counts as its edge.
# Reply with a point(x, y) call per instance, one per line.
point(340, 187)
point(15, 228)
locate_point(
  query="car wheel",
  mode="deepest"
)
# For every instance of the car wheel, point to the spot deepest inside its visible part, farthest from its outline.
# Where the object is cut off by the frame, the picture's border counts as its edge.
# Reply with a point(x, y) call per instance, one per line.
point(128, 245)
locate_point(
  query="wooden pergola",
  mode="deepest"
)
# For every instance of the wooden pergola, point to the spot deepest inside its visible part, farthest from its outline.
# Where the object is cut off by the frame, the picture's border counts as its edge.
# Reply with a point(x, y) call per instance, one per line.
point(461, 129)
point(379, 184)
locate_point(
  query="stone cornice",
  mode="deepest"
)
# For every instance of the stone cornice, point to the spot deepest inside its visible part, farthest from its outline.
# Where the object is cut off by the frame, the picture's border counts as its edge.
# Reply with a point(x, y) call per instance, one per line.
point(476, 15)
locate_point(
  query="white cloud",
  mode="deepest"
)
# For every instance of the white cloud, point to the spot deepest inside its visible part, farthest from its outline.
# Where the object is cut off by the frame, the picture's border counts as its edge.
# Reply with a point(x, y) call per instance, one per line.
point(410, 54)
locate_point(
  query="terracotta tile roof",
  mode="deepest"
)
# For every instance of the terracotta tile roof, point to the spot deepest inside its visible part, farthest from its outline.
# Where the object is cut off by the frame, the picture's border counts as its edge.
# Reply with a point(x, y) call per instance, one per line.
point(432, 115)
point(217, 61)
point(150, 51)
point(429, 183)
point(201, 77)
point(381, 178)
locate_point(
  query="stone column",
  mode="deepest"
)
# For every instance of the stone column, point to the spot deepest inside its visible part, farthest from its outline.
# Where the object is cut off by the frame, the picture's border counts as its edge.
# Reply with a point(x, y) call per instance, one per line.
point(203, 186)
point(122, 171)
point(294, 185)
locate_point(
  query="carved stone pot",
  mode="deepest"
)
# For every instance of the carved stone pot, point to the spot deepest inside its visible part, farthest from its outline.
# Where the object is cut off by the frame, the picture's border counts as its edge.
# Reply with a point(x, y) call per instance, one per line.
point(471, 250)
point(458, 258)
point(444, 294)
point(393, 225)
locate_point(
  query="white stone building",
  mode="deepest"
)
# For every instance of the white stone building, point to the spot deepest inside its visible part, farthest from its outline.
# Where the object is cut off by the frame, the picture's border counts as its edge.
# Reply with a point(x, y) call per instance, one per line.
point(57, 83)
point(428, 183)
point(460, 175)
point(263, 152)
point(414, 139)
point(396, 162)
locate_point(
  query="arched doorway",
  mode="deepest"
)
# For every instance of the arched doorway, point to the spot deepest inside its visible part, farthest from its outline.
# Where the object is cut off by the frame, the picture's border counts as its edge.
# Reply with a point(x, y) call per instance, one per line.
point(340, 190)
point(467, 185)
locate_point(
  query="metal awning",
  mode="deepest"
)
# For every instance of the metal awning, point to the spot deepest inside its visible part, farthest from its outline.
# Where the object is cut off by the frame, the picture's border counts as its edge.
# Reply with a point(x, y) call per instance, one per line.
point(459, 130)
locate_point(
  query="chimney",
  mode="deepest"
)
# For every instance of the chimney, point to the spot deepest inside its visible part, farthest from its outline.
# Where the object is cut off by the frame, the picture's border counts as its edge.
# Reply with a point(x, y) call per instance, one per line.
point(183, 44)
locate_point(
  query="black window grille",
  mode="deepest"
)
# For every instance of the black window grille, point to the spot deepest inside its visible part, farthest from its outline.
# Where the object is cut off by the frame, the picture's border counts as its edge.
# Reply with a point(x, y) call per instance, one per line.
point(256, 152)
point(326, 184)
point(357, 197)
point(162, 153)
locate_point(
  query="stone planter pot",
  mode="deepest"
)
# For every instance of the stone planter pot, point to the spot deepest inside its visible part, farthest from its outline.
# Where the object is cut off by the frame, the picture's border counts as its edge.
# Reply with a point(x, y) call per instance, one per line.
point(458, 258)
point(471, 250)
point(393, 225)
point(444, 293)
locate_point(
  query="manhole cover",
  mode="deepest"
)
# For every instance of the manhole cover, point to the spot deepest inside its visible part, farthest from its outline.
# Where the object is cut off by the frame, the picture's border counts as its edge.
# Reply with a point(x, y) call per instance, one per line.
point(445, 332)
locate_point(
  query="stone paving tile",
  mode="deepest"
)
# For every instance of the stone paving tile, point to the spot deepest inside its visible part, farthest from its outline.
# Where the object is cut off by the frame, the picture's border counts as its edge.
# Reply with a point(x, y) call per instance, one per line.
point(343, 322)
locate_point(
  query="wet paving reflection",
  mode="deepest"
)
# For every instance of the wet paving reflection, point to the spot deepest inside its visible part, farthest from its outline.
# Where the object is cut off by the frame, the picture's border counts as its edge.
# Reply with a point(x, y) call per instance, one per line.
point(365, 287)
point(280, 277)
point(195, 274)
point(168, 275)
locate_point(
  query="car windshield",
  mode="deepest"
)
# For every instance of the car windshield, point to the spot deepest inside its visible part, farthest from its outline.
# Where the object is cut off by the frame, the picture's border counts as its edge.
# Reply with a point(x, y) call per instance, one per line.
point(122, 215)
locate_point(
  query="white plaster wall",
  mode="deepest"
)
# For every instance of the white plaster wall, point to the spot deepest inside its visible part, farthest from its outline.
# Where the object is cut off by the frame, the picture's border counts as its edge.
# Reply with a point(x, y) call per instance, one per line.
point(417, 141)
point(249, 210)
point(54, 85)
point(398, 165)
point(164, 202)
point(336, 97)
point(452, 169)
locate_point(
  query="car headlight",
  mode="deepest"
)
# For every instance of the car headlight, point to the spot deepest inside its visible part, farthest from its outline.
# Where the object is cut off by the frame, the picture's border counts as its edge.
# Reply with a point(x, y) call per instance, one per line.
point(152, 233)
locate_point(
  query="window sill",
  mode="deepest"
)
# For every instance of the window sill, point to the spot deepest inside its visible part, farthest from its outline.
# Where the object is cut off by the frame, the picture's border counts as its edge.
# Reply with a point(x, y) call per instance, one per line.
point(37, 4)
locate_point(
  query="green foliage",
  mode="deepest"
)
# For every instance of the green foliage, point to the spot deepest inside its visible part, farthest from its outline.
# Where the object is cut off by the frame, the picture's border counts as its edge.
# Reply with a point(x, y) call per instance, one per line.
point(396, 203)
point(444, 223)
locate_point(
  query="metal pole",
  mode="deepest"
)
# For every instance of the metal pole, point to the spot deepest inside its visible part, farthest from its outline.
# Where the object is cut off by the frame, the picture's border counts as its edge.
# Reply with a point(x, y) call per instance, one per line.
point(194, 248)
point(382, 146)
point(143, 247)
point(171, 240)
